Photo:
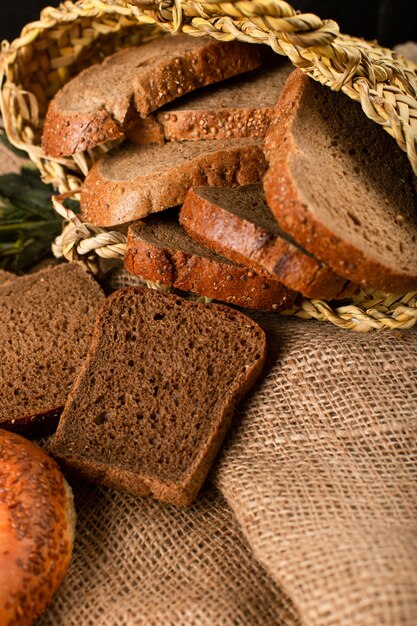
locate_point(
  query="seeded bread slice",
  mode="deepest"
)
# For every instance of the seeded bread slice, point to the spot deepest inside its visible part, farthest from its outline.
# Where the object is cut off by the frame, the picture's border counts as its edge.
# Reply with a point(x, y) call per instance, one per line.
point(6, 277)
point(156, 395)
point(159, 250)
point(342, 187)
point(46, 324)
point(134, 181)
point(238, 224)
point(104, 100)
point(239, 107)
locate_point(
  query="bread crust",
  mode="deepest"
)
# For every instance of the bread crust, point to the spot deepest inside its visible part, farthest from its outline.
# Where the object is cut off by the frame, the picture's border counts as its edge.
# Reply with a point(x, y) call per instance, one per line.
point(6, 277)
point(296, 217)
point(246, 243)
point(118, 476)
point(197, 125)
point(241, 107)
point(66, 132)
point(106, 202)
point(236, 285)
point(37, 529)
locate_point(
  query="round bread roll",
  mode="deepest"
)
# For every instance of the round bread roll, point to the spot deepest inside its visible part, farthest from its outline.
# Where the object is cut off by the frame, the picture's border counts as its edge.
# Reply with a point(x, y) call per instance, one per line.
point(37, 525)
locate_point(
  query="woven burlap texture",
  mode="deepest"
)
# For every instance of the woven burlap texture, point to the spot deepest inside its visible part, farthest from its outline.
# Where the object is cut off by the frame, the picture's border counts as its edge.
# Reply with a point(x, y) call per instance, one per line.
point(138, 562)
point(309, 517)
point(321, 473)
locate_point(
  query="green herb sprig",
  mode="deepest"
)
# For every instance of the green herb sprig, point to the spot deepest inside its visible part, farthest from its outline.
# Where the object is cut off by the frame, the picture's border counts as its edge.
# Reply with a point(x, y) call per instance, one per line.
point(28, 222)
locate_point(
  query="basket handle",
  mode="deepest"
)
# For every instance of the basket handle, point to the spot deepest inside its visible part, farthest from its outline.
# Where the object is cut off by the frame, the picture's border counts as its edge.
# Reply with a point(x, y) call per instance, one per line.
point(270, 16)
point(83, 243)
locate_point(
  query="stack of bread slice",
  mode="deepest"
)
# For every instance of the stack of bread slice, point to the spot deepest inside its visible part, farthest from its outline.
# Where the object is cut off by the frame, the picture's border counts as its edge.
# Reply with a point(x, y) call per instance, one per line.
point(285, 186)
point(131, 419)
point(342, 187)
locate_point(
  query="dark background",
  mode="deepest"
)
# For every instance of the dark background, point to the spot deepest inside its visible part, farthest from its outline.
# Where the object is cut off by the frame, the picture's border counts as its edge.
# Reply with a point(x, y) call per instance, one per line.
point(389, 21)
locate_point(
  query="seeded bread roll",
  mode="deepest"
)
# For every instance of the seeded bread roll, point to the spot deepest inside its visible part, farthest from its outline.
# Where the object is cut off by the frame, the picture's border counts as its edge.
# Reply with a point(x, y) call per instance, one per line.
point(156, 395)
point(103, 101)
point(238, 224)
point(239, 107)
point(134, 181)
point(6, 277)
point(159, 250)
point(36, 531)
point(46, 324)
point(342, 187)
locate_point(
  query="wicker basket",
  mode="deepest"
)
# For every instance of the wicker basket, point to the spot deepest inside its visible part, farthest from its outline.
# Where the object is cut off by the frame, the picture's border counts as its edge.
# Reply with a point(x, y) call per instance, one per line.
point(73, 36)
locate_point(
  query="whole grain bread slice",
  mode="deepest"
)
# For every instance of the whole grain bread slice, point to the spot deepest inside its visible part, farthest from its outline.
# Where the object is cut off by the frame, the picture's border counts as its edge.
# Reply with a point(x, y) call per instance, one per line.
point(342, 187)
point(238, 224)
point(134, 181)
point(46, 325)
point(103, 101)
point(239, 107)
point(155, 397)
point(6, 277)
point(159, 250)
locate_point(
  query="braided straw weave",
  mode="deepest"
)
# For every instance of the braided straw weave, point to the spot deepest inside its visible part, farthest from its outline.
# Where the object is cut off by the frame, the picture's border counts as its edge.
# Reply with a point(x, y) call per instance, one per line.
point(76, 34)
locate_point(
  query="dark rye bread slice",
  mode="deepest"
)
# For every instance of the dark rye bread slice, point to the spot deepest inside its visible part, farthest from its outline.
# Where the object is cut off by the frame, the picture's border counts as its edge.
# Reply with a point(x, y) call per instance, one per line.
point(238, 224)
point(103, 101)
point(239, 107)
point(159, 250)
point(155, 397)
point(342, 187)
point(46, 325)
point(134, 181)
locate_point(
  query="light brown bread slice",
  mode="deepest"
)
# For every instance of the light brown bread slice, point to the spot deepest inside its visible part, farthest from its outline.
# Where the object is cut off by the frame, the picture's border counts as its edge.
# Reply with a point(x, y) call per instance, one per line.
point(160, 250)
point(6, 277)
point(155, 397)
point(239, 107)
point(46, 324)
point(134, 181)
point(342, 187)
point(105, 100)
point(238, 224)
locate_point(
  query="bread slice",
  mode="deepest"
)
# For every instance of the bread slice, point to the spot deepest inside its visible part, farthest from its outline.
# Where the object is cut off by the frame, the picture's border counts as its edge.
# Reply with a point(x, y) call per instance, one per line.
point(239, 107)
point(104, 100)
point(238, 224)
point(342, 187)
point(159, 250)
point(46, 324)
point(134, 181)
point(155, 397)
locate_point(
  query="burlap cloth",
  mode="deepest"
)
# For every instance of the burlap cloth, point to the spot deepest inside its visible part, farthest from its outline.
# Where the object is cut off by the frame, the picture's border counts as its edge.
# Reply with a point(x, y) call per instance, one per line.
point(309, 516)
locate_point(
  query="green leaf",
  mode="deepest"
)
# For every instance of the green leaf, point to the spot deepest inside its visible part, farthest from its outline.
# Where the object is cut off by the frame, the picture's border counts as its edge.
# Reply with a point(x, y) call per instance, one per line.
point(28, 222)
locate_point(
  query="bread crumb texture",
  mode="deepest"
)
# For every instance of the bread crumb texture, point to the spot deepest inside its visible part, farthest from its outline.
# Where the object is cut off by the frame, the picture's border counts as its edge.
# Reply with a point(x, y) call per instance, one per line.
point(156, 395)
point(46, 325)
